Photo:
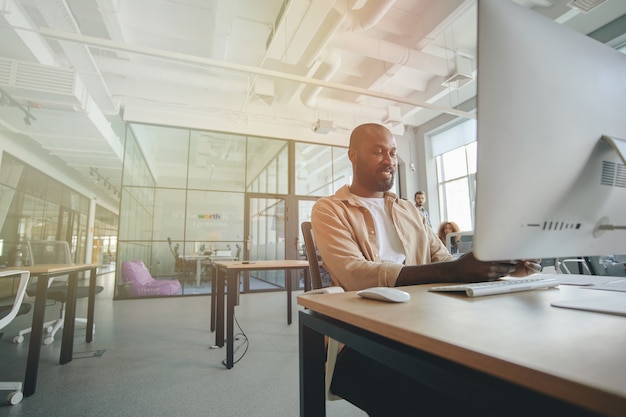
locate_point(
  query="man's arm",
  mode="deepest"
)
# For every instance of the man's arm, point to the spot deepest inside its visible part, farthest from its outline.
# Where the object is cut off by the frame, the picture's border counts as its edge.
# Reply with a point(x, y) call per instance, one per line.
point(343, 243)
point(345, 249)
point(465, 269)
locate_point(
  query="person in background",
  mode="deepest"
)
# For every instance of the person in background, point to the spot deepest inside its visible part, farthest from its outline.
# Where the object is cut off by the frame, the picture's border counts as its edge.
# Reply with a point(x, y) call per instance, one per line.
point(420, 199)
point(369, 237)
point(449, 227)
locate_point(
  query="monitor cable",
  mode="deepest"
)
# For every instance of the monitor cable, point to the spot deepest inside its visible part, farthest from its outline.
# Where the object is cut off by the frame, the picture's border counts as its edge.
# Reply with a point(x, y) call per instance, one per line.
point(241, 336)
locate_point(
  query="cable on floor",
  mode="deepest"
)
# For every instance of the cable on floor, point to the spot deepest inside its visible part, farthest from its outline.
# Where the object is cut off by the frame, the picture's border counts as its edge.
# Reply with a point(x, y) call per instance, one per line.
point(245, 342)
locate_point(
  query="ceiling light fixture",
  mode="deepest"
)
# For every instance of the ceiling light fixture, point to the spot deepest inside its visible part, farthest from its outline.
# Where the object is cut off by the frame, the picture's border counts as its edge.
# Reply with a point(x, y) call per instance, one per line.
point(103, 181)
point(7, 100)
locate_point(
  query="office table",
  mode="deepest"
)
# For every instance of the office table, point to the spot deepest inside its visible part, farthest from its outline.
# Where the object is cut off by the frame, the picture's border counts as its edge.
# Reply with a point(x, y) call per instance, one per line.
point(228, 273)
point(512, 354)
point(43, 274)
point(199, 258)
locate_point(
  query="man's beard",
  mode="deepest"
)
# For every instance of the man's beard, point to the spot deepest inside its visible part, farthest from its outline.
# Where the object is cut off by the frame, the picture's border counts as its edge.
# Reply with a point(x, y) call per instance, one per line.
point(372, 181)
point(385, 185)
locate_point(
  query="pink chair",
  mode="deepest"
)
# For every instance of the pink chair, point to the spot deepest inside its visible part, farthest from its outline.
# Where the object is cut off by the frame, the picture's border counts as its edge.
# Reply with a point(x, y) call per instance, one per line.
point(141, 284)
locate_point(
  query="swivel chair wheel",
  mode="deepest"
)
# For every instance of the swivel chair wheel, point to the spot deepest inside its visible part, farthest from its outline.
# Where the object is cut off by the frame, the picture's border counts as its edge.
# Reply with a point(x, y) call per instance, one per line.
point(18, 339)
point(14, 398)
point(48, 340)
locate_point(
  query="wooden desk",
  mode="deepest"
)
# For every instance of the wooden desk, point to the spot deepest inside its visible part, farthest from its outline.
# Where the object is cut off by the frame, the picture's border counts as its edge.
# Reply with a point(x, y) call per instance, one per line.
point(228, 273)
point(211, 258)
point(43, 274)
point(514, 353)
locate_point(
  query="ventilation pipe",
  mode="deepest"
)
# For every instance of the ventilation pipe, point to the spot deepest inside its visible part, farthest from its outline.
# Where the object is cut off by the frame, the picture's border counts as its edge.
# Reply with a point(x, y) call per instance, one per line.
point(355, 20)
point(392, 52)
point(329, 66)
point(309, 96)
point(367, 16)
point(57, 14)
point(196, 79)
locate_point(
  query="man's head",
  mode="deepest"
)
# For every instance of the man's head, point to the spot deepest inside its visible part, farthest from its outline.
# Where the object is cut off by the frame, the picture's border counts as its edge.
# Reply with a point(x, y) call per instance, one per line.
point(372, 152)
point(420, 199)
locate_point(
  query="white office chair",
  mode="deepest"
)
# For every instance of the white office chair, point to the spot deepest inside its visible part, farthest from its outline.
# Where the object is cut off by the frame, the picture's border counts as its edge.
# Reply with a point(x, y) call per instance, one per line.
point(561, 265)
point(52, 252)
point(7, 314)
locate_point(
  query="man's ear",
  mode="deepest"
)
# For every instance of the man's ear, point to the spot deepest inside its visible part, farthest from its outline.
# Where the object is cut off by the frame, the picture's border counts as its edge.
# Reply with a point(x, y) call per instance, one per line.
point(352, 155)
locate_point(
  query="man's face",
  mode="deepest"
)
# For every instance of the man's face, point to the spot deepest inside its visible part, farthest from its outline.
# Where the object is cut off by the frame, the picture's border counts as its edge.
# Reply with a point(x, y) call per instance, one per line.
point(375, 161)
point(420, 199)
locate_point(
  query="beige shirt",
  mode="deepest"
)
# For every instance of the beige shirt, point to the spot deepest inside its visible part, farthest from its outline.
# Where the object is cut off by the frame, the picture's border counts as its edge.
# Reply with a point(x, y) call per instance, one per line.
point(345, 236)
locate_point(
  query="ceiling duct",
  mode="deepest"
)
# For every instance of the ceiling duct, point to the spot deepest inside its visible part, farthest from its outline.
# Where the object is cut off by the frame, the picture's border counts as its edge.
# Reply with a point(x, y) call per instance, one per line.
point(462, 75)
point(394, 116)
point(57, 14)
point(585, 6)
point(45, 85)
point(323, 126)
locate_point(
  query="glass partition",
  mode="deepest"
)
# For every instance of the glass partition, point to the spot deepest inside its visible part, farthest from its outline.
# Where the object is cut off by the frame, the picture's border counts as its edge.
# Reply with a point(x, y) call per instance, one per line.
point(185, 193)
point(35, 206)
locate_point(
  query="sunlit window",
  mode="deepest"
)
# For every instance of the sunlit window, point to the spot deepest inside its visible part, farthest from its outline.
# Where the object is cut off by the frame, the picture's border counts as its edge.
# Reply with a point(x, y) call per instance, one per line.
point(455, 157)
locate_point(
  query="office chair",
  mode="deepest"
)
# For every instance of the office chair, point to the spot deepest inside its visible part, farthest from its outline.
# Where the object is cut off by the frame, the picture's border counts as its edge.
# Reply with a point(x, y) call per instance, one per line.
point(561, 266)
point(51, 252)
point(185, 268)
point(7, 314)
point(316, 287)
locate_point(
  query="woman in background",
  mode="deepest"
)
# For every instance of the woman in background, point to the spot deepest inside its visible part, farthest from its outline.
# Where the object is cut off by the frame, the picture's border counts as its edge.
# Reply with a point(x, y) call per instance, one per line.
point(449, 227)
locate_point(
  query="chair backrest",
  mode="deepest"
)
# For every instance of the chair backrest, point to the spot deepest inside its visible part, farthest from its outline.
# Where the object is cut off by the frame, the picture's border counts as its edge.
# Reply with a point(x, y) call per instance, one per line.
point(7, 315)
point(49, 252)
point(563, 266)
point(178, 261)
point(311, 255)
point(464, 243)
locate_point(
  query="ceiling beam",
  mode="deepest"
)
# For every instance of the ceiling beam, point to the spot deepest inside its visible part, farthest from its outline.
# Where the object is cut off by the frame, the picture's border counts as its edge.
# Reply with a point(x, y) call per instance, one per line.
point(202, 62)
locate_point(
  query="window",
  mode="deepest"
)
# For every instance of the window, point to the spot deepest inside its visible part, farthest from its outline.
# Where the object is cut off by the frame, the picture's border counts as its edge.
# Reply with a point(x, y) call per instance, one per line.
point(455, 155)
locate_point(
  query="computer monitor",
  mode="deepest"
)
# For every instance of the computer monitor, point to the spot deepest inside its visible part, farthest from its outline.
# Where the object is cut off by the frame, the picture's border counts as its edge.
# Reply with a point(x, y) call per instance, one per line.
point(546, 182)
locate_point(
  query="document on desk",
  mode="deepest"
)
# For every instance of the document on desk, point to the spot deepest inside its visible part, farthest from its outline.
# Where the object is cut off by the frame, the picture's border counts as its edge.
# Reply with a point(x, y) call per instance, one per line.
point(607, 302)
point(579, 279)
point(616, 284)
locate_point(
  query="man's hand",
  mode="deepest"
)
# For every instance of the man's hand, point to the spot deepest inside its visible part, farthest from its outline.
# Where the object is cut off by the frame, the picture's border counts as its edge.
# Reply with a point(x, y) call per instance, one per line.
point(526, 267)
point(480, 270)
point(465, 269)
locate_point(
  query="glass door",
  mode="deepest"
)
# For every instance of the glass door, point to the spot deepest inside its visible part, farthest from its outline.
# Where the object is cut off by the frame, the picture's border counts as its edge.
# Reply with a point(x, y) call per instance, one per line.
point(265, 236)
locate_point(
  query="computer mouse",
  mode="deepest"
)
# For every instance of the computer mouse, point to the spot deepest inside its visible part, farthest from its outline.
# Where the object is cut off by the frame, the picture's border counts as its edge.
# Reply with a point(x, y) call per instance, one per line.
point(392, 295)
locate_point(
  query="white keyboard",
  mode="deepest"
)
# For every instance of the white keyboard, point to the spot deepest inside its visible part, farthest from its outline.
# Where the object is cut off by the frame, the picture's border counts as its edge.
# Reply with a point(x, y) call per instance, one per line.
point(499, 287)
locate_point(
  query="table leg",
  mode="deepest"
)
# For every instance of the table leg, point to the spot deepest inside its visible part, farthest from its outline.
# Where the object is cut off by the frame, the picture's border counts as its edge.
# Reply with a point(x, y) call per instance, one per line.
point(288, 285)
point(34, 345)
point(91, 305)
point(231, 300)
point(219, 306)
point(213, 296)
point(67, 342)
point(312, 360)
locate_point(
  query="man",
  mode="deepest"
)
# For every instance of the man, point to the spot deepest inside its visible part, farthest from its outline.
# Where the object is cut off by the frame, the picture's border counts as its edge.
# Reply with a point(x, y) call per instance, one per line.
point(420, 199)
point(369, 237)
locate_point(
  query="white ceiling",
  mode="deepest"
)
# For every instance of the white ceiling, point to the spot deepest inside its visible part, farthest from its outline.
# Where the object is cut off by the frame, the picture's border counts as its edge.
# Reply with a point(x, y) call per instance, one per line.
point(263, 67)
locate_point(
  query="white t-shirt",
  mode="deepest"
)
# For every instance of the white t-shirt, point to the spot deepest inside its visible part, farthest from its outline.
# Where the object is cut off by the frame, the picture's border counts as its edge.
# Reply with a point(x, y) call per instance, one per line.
point(391, 249)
